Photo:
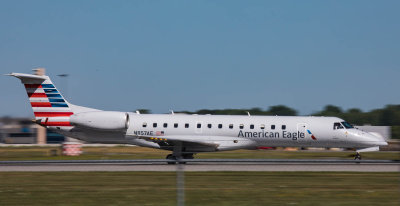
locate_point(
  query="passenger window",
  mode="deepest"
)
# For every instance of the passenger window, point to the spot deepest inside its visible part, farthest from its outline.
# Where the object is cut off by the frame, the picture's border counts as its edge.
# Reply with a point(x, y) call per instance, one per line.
point(208, 125)
point(220, 126)
point(187, 125)
point(272, 126)
point(199, 125)
point(154, 125)
point(144, 124)
point(165, 125)
point(262, 126)
point(283, 127)
point(230, 126)
point(252, 126)
point(241, 126)
point(176, 125)
point(337, 125)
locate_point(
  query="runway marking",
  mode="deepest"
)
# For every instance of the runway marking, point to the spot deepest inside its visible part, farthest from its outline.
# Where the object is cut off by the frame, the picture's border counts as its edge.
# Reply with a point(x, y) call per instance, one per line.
point(203, 165)
point(326, 161)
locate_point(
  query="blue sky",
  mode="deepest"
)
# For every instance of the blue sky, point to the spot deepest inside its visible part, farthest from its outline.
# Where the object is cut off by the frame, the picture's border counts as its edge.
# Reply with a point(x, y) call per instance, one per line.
point(190, 55)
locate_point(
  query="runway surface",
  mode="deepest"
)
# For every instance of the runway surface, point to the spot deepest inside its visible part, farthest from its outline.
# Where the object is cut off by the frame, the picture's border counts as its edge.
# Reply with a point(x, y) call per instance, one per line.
point(202, 165)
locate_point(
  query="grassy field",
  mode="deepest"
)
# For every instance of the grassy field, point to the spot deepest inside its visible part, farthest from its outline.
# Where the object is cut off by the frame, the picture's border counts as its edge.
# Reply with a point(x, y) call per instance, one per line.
point(127, 152)
point(201, 188)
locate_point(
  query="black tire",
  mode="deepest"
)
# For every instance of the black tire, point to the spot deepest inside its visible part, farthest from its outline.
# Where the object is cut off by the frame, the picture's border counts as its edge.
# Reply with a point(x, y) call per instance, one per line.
point(357, 157)
point(170, 157)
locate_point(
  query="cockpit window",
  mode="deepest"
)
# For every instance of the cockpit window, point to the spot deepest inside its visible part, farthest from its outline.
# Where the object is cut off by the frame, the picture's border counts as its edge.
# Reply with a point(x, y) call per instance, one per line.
point(337, 125)
point(347, 125)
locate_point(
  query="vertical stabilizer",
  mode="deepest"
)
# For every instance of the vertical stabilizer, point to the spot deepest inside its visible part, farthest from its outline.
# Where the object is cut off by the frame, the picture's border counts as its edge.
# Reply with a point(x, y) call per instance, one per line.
point(49, 106)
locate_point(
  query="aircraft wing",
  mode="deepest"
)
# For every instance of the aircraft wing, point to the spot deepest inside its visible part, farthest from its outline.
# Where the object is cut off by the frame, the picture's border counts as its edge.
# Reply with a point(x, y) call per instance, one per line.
point(194, 142)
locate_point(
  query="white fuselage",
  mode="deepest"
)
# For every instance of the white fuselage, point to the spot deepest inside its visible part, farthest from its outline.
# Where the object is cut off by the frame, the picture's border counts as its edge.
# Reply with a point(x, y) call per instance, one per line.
point(187, 134)
point(227, 132)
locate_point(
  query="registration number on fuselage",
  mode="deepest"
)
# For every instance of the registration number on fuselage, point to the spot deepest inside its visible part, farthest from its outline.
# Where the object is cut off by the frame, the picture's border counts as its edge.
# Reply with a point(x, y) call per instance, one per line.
point(143, 133)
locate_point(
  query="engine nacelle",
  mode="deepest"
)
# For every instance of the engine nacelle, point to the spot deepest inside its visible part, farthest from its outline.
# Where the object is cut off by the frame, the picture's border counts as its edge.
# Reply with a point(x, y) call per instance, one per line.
point(102, 120)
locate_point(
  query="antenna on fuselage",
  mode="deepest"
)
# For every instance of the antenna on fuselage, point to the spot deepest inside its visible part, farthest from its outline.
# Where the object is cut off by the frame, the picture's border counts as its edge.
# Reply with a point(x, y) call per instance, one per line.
point(137, 112)
point(172, 111)
point(248, 113)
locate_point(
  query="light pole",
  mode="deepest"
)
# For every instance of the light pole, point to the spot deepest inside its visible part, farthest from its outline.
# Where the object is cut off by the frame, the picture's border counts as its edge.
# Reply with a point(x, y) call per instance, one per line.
point(180, 184)
point(65, 84)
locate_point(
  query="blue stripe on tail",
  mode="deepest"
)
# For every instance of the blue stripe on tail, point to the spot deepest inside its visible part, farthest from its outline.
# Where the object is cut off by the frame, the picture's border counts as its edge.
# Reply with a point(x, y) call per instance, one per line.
point(56, 100)
point(58, 105)
point(47, 86)
point(50, 91)
point(54, 95)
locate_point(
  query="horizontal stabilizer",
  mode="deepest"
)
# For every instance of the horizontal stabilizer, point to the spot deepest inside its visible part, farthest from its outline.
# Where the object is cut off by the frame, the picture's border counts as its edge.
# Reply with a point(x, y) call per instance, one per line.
point(29, 78)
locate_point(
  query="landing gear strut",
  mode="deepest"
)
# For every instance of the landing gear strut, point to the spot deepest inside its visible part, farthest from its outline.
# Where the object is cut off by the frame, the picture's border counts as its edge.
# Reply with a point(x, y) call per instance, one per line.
point(357, 156)
point(188, 156)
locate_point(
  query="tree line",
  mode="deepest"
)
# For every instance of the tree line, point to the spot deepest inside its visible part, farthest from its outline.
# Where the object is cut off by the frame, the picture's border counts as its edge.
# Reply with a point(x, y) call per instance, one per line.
point(387, 116)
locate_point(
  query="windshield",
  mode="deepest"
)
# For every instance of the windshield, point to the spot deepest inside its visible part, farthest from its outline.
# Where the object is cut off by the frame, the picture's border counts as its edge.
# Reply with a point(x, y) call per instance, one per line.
point(337, 125)
point(347, 125)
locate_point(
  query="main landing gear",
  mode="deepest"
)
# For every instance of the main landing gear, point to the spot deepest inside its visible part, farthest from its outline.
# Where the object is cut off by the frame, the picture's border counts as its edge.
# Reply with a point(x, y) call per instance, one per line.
point(173, 158)
point(357, 156)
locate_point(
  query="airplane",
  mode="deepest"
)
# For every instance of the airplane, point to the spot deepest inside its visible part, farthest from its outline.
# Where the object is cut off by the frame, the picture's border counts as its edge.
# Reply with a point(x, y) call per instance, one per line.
point(185, 135)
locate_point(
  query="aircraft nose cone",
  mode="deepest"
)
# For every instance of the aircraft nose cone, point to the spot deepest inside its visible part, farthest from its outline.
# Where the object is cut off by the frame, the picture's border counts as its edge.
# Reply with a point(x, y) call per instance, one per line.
point(376, 140)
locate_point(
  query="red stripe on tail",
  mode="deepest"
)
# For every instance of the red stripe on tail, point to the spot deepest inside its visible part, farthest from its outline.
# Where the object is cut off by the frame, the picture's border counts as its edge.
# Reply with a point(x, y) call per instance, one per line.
point(41, 104)
point(37, 95)
point(33, 86)
point(57, 124)
point(53, 114)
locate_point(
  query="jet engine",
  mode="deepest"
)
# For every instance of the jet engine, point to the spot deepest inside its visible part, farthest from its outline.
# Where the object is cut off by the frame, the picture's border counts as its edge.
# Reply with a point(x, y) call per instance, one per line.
point(102, 120)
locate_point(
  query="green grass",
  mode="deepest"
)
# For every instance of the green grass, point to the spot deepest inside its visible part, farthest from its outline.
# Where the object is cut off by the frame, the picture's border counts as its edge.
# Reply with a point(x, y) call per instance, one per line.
point(201, 188)
point(127, 152)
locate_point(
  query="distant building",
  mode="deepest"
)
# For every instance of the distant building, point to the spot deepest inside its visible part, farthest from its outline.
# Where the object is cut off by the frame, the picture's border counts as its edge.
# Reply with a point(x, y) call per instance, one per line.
point(24, 131)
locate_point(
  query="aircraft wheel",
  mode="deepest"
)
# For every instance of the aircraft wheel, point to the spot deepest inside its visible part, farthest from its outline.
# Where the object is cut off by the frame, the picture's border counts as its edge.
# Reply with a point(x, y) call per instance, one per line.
point(171, 157)
point(357, 157)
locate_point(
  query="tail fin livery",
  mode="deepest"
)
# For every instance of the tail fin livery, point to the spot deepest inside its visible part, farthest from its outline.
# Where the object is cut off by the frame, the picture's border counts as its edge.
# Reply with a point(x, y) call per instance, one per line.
point(49, 106)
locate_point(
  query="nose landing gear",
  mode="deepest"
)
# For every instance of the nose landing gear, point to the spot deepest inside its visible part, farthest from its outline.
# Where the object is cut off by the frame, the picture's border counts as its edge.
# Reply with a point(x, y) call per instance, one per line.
point(357, 156)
